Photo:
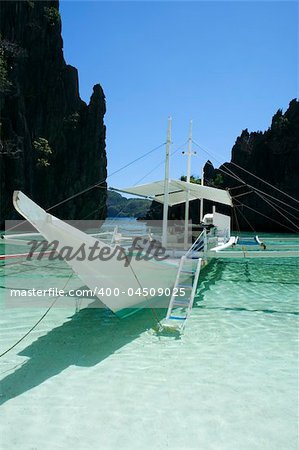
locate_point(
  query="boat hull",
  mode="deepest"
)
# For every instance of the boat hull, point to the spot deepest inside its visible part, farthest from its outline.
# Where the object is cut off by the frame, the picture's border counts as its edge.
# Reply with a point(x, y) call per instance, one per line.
point(118, 284)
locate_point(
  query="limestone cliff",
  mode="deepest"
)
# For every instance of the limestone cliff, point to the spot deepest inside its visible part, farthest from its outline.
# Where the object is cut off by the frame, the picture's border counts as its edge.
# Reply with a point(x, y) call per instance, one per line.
point(52, 142)
point(272, 155)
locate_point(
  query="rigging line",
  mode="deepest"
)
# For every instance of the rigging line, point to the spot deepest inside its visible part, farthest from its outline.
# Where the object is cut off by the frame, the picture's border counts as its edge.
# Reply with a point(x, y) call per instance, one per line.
point(172, 153)
point(282, 209)
point(25, 267)
point(13, 368)
point(160, 163)
point(210, 154)
point(119, 212)
point(207, 151)
point(232, 176)
point(236, 187)
point(237, 222)
point(137, 182)
point(266, 182)
point(19, 263)
point(151, 171)
point(103, 181)
point(279, 212)
point(130, 265)
point(36, 323)
point(240, 195)
point(124, 206)
point(137, 279)
point(98, 209)
point(95, 185)
point(267, 217)
point(274, 198)
point(255, 191)
point(151, 307)
point(238, 206)
point(250, 173)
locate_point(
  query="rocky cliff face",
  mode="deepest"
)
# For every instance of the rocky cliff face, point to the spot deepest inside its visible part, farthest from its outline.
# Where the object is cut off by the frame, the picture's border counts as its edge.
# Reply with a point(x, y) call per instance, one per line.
point(273, 156)
point(52, 143)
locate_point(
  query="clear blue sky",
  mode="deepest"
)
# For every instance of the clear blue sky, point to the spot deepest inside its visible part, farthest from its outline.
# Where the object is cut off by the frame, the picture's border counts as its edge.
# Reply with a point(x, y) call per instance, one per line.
point(226, 65)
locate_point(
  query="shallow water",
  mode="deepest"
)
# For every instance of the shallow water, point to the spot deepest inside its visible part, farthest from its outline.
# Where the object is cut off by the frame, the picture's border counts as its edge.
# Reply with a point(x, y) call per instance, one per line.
point(85, 379)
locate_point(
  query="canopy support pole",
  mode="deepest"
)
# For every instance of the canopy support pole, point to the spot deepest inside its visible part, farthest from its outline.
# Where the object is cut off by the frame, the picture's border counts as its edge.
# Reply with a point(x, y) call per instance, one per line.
point(201, 200)
point(166, 184)
point(189, 154)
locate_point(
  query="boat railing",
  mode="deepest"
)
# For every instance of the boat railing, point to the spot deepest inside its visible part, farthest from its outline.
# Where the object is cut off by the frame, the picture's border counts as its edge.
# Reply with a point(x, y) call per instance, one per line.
point(198, 244)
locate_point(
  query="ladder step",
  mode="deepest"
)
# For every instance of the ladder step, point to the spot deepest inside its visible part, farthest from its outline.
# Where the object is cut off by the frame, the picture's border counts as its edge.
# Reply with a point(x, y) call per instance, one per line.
point(181, 303)
point(187, 271)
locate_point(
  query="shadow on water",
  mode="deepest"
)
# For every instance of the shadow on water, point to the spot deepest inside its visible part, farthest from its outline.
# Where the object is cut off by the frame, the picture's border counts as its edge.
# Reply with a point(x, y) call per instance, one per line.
point(245, 273)
point(90, 336)
point(210, 277)
point(265, 311)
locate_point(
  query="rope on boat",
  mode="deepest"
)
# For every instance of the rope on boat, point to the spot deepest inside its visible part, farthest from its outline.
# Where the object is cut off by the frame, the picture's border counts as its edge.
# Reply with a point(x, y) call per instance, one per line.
point(231, 174)
point(236, 218)
point(270, 218)
point(235, 187)
point(147, 174)
point(266, 182)
point(38, 322)
point(271, 203)
point(236, 177)
point(267, 217)
point(275, 208)
point(24, 255)
point(283, 215)
point(247, 171)
point(238, 206)
point(148, 300)
point(242, 195)
point(274, 198)
point(104, 181)
point(89, 188)
point(282, 209)
point(160, 164)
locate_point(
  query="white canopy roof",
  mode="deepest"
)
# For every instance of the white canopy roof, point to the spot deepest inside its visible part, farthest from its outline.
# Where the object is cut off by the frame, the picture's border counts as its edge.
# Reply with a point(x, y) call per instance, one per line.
point(177, 192)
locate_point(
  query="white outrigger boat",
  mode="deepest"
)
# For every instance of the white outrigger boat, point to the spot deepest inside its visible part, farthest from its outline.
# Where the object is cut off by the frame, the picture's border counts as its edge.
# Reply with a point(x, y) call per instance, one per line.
point(139, 282)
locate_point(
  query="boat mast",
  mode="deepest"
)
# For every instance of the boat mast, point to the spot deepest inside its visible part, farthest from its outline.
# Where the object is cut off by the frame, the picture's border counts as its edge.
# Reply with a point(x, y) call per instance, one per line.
point(189, 154)
point(166, 184)
point(201, 201)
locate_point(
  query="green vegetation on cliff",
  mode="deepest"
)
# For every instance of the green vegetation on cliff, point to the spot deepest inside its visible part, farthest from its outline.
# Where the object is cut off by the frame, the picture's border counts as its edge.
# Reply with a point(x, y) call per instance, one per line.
point(52, 143)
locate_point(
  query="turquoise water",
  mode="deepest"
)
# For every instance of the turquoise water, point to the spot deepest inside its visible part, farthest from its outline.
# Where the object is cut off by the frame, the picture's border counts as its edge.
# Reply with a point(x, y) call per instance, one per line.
point(84, 379)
